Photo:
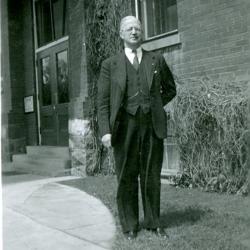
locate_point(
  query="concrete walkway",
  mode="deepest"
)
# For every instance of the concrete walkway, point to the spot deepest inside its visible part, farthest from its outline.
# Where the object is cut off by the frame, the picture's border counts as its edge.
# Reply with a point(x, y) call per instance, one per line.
point(40, 214)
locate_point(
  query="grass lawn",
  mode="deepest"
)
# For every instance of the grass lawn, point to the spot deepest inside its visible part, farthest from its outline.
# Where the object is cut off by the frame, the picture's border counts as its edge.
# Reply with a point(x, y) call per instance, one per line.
point(193, 219)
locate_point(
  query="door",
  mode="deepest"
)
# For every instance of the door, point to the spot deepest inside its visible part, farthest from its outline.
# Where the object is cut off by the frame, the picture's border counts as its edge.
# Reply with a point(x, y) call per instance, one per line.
point(53, 94)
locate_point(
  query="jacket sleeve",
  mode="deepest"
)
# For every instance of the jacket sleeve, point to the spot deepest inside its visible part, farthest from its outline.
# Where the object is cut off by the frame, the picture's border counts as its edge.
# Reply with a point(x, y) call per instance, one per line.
point(103, 99)
point(168, 88)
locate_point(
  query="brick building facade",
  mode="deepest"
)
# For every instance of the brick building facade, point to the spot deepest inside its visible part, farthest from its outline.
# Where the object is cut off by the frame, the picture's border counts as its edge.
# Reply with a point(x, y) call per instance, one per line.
point(208, 38)
point(214, 37)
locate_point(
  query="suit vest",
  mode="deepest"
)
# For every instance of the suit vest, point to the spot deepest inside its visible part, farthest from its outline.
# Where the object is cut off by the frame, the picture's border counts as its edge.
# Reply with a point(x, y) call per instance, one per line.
point(137, 90)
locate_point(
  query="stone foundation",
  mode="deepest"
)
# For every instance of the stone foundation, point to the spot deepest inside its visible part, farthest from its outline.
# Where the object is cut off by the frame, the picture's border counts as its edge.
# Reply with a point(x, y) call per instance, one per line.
point(82, 147)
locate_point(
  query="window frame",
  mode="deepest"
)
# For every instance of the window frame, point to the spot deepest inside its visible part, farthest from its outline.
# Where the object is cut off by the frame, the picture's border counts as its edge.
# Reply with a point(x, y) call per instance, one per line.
point(159, 41)
point(39, 29)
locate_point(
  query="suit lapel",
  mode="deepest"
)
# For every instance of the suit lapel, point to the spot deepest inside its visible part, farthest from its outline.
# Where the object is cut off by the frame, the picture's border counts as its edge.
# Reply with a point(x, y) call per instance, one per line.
point(119, 70)
point(149, 62)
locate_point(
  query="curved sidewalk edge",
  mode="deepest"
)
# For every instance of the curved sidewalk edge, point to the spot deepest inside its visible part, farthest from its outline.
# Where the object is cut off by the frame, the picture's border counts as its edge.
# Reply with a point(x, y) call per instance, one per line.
point(42, 214)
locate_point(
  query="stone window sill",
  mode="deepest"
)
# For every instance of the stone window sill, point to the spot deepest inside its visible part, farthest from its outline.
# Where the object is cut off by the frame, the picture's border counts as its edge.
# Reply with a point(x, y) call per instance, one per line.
point(162, 41)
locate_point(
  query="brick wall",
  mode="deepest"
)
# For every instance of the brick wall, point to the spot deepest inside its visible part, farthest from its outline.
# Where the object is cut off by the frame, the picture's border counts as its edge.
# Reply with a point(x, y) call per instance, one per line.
point(77, 48)
point(214, 39)
point(29, 72)
point(19, 128)
point(16, 128)
point(5, 82)
point(214, 42)
point(80, 133)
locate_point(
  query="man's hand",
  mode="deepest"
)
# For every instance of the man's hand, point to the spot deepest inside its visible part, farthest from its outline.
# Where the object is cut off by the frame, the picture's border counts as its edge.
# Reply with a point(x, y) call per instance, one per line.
point(106, 140)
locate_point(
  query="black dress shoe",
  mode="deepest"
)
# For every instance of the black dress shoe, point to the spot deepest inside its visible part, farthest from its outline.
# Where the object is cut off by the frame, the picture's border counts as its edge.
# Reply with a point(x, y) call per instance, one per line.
point(131, 235)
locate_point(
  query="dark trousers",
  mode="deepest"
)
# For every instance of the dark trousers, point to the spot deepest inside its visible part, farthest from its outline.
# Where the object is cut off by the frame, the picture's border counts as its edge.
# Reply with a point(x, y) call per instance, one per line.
point(138, 152)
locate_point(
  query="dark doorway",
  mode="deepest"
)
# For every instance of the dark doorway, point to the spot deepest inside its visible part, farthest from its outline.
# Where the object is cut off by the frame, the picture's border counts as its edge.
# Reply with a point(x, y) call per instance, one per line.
point(53, 94)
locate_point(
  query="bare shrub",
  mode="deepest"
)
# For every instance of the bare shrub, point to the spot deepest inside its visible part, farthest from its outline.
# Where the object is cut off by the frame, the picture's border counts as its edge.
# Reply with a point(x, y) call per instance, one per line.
point(210, 120)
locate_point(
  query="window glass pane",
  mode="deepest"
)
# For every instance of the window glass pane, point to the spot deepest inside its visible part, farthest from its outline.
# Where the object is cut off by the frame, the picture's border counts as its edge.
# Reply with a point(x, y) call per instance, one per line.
point(65, 19)
point(62, 77)
point(52, 20)
point(158, 16)
point(133, 7)
point(58, 17)
point(171, 15)
point(46, 81)
point(44, 26)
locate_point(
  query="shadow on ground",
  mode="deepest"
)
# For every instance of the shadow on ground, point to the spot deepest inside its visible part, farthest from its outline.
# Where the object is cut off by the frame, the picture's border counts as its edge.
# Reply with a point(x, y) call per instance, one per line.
point(188, 215)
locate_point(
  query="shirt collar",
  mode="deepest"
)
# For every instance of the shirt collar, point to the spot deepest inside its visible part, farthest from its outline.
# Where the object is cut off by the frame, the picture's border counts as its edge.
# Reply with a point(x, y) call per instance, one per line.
point(129, 51)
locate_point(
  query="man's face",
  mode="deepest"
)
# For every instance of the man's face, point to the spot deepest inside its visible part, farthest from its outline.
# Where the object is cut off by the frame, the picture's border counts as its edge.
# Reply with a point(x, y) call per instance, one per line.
point(131, 33)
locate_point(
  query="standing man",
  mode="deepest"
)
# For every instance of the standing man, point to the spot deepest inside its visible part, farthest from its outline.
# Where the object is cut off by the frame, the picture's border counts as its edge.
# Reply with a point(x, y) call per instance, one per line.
point(132, 90)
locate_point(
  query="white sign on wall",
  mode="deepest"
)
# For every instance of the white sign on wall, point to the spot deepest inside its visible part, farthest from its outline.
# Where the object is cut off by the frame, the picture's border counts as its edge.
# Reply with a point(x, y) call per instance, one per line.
point(28, 104)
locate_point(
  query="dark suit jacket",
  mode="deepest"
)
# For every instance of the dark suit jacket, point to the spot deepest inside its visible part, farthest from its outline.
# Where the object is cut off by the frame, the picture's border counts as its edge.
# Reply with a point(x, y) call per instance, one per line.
point(112, 87)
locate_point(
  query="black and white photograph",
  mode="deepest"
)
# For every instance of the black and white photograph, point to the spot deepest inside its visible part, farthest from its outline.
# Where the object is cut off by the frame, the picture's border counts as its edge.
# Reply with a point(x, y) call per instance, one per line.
point(125, 124)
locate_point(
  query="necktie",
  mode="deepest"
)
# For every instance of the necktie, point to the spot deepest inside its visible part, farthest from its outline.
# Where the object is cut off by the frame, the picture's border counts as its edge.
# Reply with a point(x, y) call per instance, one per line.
point(135, 60)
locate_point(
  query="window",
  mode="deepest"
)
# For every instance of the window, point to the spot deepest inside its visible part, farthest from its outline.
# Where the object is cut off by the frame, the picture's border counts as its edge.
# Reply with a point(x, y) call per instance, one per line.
point(51, 18)
point(62, 76)
point(46, 81)
point(158, 17)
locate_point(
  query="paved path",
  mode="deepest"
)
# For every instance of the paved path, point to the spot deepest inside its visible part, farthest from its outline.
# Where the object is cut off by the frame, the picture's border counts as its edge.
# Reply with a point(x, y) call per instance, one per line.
point(40, 214)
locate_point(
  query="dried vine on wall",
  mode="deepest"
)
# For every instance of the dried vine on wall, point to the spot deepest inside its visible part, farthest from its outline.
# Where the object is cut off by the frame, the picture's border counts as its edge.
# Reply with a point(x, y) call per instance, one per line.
point(102, 40)
point(211, 124)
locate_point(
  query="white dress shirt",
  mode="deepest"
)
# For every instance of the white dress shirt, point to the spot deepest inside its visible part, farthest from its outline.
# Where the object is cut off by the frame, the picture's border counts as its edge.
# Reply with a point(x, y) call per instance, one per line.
point(130, 55)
